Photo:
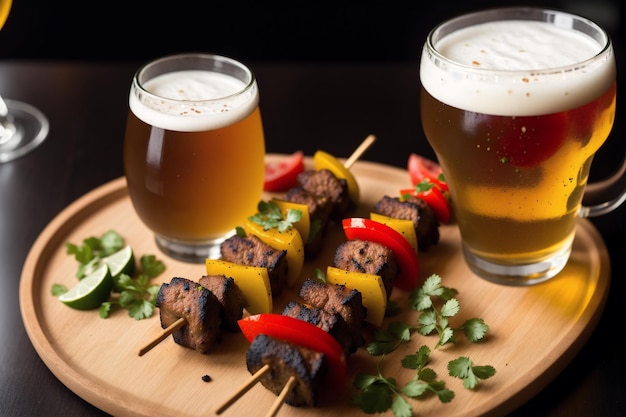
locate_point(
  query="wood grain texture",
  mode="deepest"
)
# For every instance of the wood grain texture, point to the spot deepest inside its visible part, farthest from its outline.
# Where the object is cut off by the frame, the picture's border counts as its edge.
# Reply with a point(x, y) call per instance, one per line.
point(534, 331)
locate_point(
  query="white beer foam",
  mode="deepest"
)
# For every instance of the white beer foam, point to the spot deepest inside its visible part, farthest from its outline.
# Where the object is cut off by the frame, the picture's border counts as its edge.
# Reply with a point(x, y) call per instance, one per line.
point(190, 101)
point(506, 66)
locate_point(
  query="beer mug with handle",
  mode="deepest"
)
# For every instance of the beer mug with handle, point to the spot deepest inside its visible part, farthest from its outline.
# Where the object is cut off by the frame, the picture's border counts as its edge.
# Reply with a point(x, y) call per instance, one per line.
point(515, 102)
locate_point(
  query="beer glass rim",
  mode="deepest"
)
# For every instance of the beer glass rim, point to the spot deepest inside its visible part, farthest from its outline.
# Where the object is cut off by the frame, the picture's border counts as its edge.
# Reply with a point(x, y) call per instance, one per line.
point(537, 14)
point(189, 61)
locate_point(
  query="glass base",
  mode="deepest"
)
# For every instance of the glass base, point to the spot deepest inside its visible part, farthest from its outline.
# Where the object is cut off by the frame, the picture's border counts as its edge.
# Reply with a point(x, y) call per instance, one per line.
point(193, 252)
point(25, 129)
point(518, 275)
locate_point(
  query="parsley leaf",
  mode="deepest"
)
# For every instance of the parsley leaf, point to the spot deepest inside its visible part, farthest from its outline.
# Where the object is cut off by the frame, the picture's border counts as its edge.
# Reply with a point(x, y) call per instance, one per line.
point(59, 289)
point(270, 216)
point(379, 393)
point(436, 305)
point(389, 339)
point(93, 249)
point(463, 368)
point(137, 295)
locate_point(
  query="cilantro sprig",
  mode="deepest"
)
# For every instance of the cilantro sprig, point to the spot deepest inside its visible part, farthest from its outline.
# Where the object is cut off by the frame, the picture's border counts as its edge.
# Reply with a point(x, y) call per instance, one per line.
point(463, 368)
point(432, 319)
point(380, 393)
point(93, 249)
point(269, 216)
point(136, 295)
point(436, 305)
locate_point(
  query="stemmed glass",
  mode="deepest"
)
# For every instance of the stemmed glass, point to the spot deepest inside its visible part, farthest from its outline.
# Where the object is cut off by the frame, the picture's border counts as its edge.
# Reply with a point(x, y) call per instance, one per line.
point(22, 126)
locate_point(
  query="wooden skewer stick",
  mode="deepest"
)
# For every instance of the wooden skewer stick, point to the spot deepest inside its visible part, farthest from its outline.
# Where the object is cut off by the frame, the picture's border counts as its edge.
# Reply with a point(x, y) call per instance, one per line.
point(281, 398)
point(367, 142)
point(166, 332)
point(243, 389)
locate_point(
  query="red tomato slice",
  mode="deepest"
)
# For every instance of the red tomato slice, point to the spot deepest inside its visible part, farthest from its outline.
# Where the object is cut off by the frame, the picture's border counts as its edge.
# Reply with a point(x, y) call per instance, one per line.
point(282, 175)
point(373, 231)
point(435, 200)
point(300, 333)
point(421, 168)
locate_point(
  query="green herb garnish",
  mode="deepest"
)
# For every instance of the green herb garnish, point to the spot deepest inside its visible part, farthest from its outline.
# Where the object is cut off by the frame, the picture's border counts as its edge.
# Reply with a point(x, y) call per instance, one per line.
point(93, 249)
point(270, 216)
point(437, 305)
point(136, 295)
point(463, 368)
point(380, 393)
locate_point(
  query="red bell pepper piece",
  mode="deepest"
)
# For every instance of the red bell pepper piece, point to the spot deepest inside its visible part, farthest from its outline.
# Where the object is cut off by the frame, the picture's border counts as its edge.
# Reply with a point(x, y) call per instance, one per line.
point(300, 333)
point(434, 197)
point(373, 231)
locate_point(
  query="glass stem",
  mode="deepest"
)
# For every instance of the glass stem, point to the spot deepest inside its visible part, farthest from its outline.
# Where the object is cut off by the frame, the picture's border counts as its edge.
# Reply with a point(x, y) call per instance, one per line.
point(7, 128)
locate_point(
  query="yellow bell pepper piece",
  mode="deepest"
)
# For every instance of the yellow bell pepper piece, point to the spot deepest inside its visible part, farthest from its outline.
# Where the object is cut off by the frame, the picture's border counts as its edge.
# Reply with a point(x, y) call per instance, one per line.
point(304, 224)
point(325, 160)
point(289, 240)
point(254, 283)
point(402, 226)
point(370, 286)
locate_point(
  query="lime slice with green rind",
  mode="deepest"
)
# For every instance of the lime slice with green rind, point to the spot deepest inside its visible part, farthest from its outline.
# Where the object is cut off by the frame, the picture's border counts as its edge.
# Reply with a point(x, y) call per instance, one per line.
point(121, 262)
point(90, 291)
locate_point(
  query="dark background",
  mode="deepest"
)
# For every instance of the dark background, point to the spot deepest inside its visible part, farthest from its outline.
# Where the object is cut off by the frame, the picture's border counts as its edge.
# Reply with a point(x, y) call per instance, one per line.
point(259, 33)
point(373, 34)
point(139, 30)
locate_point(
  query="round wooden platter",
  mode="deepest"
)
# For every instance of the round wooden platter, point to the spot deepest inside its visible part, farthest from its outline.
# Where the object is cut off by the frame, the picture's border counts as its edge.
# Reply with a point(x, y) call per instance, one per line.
point(534, 331)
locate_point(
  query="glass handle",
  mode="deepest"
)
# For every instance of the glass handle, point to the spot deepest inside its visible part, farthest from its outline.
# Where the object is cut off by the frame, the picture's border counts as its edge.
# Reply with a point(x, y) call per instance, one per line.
point(597, 200)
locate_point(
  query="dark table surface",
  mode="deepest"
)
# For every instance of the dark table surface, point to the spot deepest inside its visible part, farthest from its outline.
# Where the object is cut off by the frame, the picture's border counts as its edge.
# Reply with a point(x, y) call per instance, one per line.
point(305, 106)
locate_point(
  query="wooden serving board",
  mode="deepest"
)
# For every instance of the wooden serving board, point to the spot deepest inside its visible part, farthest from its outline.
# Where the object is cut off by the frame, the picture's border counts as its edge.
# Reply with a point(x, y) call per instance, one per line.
point(534, 331)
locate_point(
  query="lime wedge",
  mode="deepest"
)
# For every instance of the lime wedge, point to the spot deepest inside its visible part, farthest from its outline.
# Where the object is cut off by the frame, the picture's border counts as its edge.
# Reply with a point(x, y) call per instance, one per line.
point(90, 291)
point(121, 262)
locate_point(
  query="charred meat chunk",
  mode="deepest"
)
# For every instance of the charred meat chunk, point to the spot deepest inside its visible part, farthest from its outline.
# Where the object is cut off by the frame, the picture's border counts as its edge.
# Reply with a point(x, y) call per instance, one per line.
point(418, 211)
point(340, 299)
point(252, 251)
point(185, 298)
point(323, 183)
point(285, 360)
point(368, 257)
point(331, 322)
point(229, 295)
point(319, 212)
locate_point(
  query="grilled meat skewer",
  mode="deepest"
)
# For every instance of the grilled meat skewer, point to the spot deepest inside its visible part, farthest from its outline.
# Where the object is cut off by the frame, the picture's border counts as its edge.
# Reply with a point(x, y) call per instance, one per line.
point(232, 300)
point(199, 306)
point(338, 299)
point(368, 257)
point(418, 211)
point(323, 183)
point(285, 360)
point(251, 251)
point(331, 322)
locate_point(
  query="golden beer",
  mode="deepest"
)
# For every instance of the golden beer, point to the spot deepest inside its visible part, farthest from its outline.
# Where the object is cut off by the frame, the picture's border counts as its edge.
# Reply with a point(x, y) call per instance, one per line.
point(194, 163)
point(515, 108)
point(517, 212)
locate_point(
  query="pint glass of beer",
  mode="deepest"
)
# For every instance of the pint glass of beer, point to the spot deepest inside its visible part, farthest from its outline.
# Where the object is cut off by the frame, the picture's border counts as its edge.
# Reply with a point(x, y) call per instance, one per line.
point(515, 103)
point(194, 151)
